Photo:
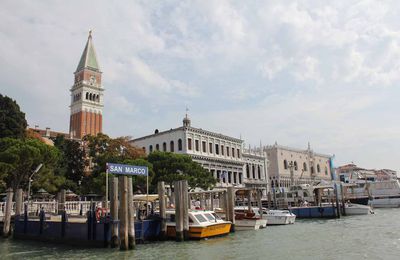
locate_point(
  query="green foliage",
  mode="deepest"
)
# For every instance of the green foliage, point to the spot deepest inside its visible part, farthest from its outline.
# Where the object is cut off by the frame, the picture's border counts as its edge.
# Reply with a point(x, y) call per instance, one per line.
point(103, 149)
point(72, 163)
point(20, 157)
point(171, 167)
point(12, 120)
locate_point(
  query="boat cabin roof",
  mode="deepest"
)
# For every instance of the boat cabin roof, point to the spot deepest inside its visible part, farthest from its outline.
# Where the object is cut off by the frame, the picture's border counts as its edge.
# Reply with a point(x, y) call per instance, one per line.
point(198, 217)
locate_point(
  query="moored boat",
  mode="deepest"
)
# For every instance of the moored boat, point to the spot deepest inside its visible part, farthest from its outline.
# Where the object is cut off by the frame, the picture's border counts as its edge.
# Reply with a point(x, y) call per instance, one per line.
point(357, 209)
point(279, 217)
point(377, 194)
point(248, 220)
point(273, 217)
point(202, 224)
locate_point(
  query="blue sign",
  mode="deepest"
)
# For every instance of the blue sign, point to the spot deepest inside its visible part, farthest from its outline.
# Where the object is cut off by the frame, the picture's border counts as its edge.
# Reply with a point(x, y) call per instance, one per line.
point(126, 169)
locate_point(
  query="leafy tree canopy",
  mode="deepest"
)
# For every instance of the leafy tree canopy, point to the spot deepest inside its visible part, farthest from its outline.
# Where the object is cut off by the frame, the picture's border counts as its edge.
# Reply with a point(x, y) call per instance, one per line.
point(12, 120)
point(20, 157)
point(103, 149)
point(170, 167)
point(73, 162)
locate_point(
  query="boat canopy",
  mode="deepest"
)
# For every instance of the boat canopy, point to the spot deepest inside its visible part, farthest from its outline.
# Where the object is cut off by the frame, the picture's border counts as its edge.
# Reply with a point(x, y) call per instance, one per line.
point(144, 197)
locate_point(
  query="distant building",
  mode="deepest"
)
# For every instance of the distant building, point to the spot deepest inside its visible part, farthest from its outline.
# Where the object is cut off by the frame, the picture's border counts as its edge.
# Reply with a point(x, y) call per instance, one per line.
point(46, 135)
point(223, 156)
point(87, 95)
point(353, 172)
point(286, 164)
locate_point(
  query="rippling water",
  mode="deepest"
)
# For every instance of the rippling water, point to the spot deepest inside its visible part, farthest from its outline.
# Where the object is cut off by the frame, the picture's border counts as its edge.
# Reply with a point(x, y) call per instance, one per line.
point(356, 237)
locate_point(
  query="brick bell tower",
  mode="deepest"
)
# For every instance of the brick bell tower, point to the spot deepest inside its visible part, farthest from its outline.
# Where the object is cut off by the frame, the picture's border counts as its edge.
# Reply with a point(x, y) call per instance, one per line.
point(86, 95)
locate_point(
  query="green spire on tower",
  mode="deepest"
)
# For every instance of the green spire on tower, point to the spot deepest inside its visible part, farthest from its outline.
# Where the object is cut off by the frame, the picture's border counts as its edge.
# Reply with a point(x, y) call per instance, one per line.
point(88, 58)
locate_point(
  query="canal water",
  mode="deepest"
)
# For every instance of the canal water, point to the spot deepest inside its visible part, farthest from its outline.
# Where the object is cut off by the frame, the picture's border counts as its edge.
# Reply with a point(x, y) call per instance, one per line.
point(357, 237)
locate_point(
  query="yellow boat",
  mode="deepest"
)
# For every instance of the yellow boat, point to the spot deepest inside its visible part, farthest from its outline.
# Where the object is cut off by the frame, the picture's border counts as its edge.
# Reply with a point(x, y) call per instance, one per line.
point(202, 224)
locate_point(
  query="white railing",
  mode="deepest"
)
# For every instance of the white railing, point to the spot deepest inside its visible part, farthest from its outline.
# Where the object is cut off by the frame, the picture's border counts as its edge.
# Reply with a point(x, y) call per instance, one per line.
point(3, 208)
point(71, 207)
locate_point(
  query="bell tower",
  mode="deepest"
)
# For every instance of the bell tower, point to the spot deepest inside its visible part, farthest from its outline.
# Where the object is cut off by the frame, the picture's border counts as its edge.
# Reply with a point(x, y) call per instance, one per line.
point(86, 95)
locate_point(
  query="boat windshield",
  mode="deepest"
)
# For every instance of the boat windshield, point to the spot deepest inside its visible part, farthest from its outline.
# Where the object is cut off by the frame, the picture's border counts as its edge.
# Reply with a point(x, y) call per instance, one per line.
point(216, 216)
point(209, 217)
point(200, 218)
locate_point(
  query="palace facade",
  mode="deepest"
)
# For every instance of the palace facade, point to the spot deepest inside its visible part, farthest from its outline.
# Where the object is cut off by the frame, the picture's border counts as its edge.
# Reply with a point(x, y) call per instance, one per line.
point(287, 165)
point(223, 156)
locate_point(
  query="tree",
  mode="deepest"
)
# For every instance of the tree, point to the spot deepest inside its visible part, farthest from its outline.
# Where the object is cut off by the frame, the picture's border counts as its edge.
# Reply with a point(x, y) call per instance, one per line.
point(12, 120)
point(20, 157)
point(103, 149)
point(73, 162)
point(170, 167)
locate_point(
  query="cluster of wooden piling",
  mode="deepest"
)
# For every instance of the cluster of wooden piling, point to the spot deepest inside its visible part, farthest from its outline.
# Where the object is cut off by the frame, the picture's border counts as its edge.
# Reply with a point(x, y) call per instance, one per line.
point(122, 213)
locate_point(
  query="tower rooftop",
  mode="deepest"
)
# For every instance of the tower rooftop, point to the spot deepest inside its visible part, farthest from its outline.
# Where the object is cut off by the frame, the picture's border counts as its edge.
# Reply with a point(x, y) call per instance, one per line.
point(88, 59)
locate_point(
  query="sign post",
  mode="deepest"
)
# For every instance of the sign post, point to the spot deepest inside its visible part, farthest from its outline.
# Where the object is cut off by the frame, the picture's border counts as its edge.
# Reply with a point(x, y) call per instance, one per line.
point(126, 169)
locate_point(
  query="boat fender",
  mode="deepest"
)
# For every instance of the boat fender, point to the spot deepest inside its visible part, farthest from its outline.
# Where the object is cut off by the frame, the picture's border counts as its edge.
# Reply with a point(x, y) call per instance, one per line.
point(99, 213)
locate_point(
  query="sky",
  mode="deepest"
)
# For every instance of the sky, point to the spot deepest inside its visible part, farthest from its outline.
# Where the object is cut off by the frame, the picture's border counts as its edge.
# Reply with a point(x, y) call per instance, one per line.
point(291, 72)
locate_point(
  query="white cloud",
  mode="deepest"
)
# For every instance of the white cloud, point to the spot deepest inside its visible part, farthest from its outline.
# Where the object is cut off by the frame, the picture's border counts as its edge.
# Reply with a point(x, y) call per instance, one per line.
point(293, 71)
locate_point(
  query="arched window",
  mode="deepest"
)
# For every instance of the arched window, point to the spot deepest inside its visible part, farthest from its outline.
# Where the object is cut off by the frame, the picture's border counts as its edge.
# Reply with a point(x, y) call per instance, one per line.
point(90, 96)
point(171, 146)
point(259, 172)
point(157, 147)
point(254, 171)
point(164, 147)
point(144, 149)
point(312, 169)
point(318, 168)
point(97, 98)
point(151, 148)
point(285, 165)
point(87, 95)
point(295, 165)
point(304, 167)
point(180, 145)
point(247, 171)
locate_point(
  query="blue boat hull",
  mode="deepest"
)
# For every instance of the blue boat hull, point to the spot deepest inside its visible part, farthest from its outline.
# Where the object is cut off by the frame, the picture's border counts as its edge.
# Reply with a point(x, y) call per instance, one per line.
point(314, 212)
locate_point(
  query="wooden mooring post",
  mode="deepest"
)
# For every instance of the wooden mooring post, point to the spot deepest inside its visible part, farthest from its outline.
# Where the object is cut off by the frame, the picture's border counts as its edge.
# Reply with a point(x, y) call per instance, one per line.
point(337, 201)
point(163, 214)
point(123, 213)
point(259, 203)
point(230, 207)
point(211, 201)
point(185, 209)
point(114, 213)
point(248, 200)
point(19, 202)
point(343, 200)
point(178, 211)
point(61, 202)
point(7, 216)
point(131, 216)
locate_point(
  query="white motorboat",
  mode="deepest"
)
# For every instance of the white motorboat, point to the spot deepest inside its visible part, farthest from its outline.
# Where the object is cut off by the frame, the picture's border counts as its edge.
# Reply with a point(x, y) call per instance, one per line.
point(357, 209)
point(246, 219)
point(279, 217)
point(379, 194)
point(273, 217)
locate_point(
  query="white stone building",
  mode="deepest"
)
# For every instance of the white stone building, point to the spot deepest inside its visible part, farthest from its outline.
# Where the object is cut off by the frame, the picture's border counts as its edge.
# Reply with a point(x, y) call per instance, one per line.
point(287, 165)
point(223, 156)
